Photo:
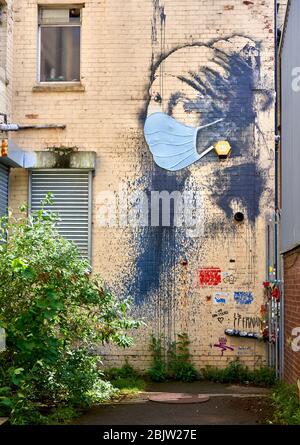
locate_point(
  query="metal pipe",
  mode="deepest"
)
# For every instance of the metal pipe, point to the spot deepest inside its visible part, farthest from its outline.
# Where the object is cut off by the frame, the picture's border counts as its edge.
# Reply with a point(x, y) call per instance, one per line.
point(17, 127)
point(276, 138)
point(278, 258)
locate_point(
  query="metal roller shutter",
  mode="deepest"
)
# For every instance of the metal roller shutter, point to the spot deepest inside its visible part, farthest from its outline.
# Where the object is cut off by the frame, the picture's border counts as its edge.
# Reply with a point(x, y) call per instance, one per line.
point(71, 191)
point(3, 189)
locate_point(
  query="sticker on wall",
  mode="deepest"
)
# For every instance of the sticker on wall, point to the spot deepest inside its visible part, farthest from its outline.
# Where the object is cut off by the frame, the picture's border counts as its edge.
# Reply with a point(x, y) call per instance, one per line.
point(210, 276)
point(244, 334)
point(221, 297)
point(243, 297)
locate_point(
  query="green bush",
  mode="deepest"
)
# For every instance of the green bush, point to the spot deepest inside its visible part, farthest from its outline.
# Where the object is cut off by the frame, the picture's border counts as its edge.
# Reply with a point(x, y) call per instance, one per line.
point(177, 366)
point(126, 379)
point(286, 404)
point(158, 371)
point(236, 372)
point(126, 371)
point(180, 365)
point(54, 314)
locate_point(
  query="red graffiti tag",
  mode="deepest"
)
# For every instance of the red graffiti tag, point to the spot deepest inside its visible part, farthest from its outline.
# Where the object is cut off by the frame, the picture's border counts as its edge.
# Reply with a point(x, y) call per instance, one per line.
point(210, 276)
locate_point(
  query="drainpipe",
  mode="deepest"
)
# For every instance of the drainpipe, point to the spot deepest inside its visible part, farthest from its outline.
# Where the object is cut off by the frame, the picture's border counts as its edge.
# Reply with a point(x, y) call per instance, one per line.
point(277, 138)
point(278, 261)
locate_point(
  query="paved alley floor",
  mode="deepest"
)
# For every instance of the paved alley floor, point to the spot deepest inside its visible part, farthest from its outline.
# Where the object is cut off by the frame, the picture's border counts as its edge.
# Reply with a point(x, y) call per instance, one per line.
point(228, 405)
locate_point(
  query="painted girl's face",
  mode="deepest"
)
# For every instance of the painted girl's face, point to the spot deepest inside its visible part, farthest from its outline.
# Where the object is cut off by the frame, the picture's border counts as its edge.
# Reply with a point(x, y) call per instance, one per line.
point(199, 84)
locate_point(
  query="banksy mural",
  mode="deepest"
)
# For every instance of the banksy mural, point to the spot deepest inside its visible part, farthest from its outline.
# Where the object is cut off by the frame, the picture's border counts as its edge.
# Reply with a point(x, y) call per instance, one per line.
point(199, 94)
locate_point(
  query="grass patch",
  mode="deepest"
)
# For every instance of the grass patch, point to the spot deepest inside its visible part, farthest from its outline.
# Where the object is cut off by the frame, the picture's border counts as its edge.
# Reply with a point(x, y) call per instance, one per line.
point(236, 372)
point(286, 403)
point(126, 379)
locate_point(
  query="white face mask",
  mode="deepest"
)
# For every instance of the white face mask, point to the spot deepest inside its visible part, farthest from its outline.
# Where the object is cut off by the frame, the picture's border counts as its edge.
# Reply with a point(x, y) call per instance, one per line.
point(172, 144)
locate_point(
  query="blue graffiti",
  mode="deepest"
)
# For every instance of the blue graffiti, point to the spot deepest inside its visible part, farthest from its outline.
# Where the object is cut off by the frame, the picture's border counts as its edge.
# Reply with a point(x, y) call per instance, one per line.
point(244, 182)
point(160, 248)
point(243, 297)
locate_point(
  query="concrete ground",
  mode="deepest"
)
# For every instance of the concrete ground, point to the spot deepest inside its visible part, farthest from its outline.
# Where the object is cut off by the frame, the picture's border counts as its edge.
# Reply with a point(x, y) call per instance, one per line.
point(228, 405)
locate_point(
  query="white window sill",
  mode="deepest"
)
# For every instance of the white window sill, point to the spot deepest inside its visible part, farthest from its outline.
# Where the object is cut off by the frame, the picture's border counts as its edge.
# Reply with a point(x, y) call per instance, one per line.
point(58, 87)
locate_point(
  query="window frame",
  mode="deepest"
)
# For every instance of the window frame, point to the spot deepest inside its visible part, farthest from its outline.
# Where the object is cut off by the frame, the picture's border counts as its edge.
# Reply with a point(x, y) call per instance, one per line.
point(39, 48)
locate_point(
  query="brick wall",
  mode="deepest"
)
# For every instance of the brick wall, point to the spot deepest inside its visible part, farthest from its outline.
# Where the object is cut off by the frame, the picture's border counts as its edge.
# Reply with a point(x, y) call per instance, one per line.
point(130, 52)
point(291, 263)
point(6, 50)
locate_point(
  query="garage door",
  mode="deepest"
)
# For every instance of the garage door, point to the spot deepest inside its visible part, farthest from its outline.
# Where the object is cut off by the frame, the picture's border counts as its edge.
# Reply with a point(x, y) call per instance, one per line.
point(72, 197)
point(3, 189)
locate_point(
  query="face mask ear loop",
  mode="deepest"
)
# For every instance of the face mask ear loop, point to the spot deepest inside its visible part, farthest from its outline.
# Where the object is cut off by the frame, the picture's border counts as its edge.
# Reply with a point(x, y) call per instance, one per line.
point(196, 133)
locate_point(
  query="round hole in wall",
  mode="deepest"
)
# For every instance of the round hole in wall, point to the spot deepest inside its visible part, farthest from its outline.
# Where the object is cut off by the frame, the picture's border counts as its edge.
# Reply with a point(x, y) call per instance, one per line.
point(239, 217)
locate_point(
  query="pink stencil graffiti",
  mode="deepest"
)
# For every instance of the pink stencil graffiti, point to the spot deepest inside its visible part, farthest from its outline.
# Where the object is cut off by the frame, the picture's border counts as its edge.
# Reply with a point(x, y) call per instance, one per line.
point(222, 345)
point(210, 276)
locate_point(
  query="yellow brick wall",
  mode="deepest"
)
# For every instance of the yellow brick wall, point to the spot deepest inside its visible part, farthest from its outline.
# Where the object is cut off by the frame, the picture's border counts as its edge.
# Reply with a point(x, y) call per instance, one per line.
point(6, 54)
point(121, 46)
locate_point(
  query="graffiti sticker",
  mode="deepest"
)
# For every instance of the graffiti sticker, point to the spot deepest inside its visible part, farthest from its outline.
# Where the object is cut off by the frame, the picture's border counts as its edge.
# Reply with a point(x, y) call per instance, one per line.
point(243, 297)
point(210, 276)
point(221, 297)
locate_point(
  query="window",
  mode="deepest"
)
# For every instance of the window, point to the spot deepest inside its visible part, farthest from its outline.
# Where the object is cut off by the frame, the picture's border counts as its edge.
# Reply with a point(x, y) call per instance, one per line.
point(71, 190)
point(59, 44)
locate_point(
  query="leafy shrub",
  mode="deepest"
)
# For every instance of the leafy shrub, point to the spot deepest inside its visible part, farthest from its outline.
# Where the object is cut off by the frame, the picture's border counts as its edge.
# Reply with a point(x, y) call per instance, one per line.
point(158, 371)
point(236, 372)
point(178, 365)
point(263, 376)
point(286, 404)
point(54, 314)
point(126, 379)
point(126, 371)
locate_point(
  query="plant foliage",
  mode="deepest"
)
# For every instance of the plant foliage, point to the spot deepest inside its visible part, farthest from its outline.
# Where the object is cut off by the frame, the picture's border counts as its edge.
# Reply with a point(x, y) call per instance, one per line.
point(126, 379)
point(236, 372)
point(173, 363)
point(286, 403)
point(54, 314)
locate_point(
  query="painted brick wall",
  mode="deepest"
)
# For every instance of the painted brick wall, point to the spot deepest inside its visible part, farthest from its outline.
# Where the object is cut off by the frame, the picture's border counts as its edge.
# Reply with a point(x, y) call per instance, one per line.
point(6, 55)
point(291, 263)
point(133, 53)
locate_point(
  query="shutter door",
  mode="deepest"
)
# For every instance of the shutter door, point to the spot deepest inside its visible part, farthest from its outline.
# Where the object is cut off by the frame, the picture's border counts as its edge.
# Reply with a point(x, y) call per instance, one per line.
point(71, 193)
point(3, 189)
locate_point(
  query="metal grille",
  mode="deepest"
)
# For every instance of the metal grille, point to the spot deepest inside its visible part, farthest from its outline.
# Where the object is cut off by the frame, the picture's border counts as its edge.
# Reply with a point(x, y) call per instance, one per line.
point(3, 189)
point(71, 197)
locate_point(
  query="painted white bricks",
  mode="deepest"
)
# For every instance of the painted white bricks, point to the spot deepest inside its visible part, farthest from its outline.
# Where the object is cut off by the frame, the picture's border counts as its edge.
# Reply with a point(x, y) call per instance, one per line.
point(116, 54)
